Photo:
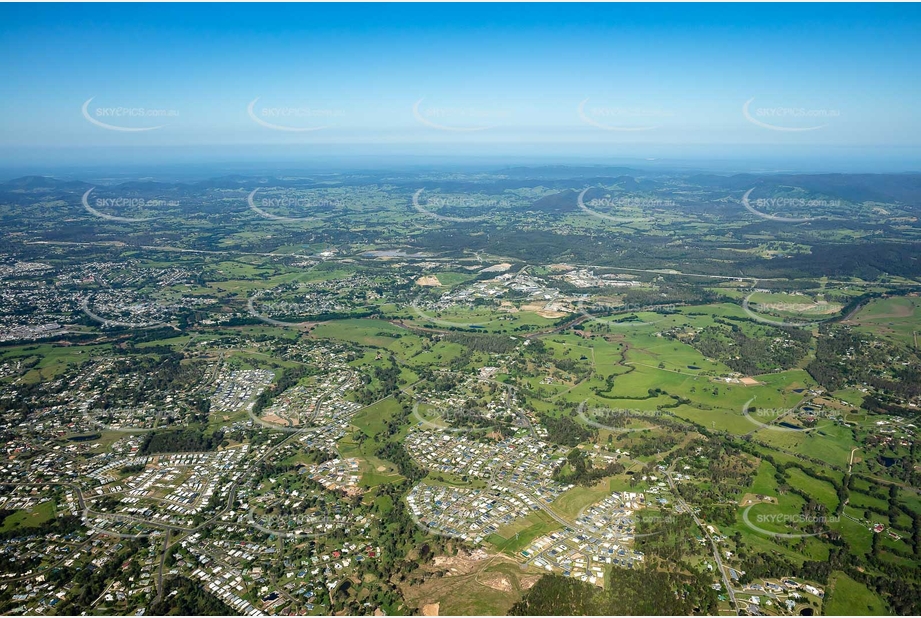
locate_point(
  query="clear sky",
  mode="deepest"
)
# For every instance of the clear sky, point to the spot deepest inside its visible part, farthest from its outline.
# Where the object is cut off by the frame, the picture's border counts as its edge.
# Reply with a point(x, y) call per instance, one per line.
point(828, 82)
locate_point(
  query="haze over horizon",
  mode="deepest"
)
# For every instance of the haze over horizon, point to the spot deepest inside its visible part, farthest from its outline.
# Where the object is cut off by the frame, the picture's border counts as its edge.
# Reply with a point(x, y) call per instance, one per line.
point(727, 88)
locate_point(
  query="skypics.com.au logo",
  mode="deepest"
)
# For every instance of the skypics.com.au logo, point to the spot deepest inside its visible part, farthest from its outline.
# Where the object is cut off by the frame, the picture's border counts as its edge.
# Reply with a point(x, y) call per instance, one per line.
point(646, 521)
point(454, 420)
point(102, 523)
point(136, 309)
point(788, 119)
point(122, 203)
point(781, 419)
point(296, 526)
point(104, 117)
point(292, 201)
point(292, 119)
point(747, 308)
point(785, 204)
point(456, 202)
point(625, 119)
point(622, 316)
point(627, 202)
point(617, 420)
point(278, 308)
point(458, 119)
point(417, 309)
point(816, 525)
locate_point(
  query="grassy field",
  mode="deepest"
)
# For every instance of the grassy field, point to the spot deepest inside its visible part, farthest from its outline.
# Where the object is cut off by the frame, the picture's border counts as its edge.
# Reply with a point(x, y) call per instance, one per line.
point(481, 319)
point(793, 305)
point(765, 482)
point(535, 525)
point(897, 318)
point(372, 419)
point(820, 491)
point(374, 470)
point(828, 443)
point(466, 595)
point(851, 598)
point(373, 333)
point(54, 358)
point(371, 422)
point(571, 502)
point(29, 518)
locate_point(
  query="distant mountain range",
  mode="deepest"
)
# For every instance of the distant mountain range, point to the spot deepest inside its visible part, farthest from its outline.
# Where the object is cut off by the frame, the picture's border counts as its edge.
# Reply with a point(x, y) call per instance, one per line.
point(902, 188)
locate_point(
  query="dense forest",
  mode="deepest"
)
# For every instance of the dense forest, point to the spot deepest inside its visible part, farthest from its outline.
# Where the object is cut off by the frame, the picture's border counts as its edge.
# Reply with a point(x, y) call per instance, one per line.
point(764, 351)
point(488, 343)
point(628, 592)
point(181, 441)
point(578, 470)
point(184, 597)
point(566, 431)
point(845, 357)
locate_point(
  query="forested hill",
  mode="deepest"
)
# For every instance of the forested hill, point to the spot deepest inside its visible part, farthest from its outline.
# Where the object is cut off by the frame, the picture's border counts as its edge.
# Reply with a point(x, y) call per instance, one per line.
point(627, 593)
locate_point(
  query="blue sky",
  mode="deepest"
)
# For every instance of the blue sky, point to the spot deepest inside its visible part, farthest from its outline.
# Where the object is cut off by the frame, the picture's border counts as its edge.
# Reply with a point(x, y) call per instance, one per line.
point(654, 80)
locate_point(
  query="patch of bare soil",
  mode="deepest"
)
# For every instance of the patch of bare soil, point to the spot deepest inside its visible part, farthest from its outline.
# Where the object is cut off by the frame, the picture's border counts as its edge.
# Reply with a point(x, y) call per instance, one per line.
point(820, 308)
point(749, 499)
point(274, 419)
point(526, 581)
point(461, 563)
point(497, 581)
point(541, 310)
point(428, 281)
point(459, 585)
point(430, 609)
point(898, 311)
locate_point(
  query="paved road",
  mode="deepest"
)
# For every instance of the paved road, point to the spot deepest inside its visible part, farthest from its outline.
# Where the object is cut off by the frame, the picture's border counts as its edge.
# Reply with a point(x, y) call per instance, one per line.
point(160, 569)
point(716, 552)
